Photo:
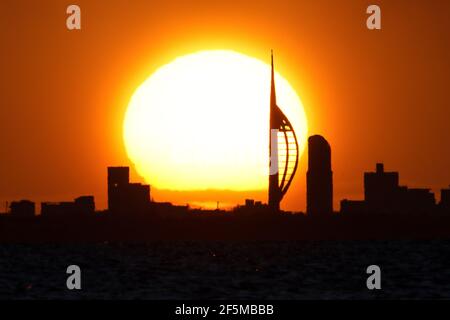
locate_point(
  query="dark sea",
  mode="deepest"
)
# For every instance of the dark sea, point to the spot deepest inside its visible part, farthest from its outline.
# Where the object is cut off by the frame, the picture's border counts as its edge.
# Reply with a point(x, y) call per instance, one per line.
point(225, 270)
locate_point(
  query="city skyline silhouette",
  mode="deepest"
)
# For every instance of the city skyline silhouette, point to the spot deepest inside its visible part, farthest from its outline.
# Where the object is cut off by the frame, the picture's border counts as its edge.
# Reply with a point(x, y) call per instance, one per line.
point(388, 211)
point(382, 194)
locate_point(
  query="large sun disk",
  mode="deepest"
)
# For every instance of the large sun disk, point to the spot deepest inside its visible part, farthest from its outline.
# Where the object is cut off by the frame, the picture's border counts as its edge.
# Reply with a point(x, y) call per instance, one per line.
point(201, 122)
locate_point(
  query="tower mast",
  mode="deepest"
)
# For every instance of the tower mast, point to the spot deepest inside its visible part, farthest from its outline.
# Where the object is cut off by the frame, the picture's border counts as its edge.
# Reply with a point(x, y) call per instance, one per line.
point(283, 150)
point(274, 191)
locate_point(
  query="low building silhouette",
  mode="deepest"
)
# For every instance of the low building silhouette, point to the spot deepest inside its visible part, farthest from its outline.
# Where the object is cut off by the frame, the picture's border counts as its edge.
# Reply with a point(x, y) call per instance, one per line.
point(169, 210)
point(124, 196)
point(416, 200)
point(319, 179)
point(445, 200)
point(252, 207)
point(22, 208)
point(83, 205)
point(353, 206)
point(252, 204)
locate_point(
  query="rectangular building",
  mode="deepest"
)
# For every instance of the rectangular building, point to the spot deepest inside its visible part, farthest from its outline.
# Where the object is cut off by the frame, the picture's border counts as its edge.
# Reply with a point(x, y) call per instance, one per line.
point(381, 190)
point(124, 196)
point(22, 208)
point(81, 206)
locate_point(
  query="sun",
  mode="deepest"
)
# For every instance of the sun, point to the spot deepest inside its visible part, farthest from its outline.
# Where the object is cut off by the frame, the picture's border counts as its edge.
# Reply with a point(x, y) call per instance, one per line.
point(202, 122)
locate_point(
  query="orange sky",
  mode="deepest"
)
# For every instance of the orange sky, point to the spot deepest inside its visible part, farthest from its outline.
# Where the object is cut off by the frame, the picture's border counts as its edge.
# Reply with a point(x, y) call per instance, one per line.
point(375, 95)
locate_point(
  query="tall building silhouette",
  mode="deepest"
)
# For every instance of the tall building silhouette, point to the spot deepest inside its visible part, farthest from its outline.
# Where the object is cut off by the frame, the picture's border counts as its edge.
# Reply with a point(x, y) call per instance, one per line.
point(283, 151)
point(124, 196)
point(319, 179)
point(381, 189)
point(383, 194)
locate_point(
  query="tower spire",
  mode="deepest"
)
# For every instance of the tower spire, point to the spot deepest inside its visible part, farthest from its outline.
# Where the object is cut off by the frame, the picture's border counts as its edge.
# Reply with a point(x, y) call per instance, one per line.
point(274, 190)
point(280, 127)
point(273, 97)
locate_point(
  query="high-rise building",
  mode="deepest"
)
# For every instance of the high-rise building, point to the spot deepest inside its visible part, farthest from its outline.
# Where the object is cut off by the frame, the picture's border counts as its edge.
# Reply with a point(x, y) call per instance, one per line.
point(124, 196)
point(283, 151)
point(118, 177)
point(381, 189)
point(319, 179)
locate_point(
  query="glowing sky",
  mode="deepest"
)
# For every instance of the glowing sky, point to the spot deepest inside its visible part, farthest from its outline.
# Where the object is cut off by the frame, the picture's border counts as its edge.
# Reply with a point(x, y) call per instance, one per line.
point(375, 95)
